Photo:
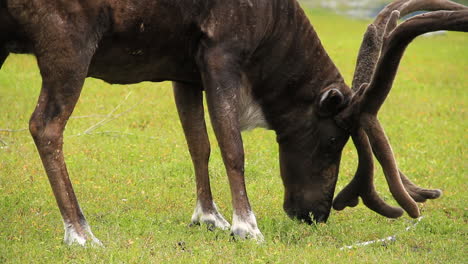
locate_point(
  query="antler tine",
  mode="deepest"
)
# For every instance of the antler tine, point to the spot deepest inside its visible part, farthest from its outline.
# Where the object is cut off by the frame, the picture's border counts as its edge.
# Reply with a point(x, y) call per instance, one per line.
point(419, 194)
point(372, 42)
point(406, 7)
point(395, 45)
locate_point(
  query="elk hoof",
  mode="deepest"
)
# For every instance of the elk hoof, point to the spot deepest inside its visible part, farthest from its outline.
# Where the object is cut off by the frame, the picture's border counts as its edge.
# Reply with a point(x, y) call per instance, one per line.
point(86, 238)
point(246, 228)
point(212, 220)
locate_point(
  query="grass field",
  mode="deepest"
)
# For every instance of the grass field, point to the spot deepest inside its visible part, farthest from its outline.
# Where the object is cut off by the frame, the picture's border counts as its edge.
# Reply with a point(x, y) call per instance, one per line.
point(134, 178)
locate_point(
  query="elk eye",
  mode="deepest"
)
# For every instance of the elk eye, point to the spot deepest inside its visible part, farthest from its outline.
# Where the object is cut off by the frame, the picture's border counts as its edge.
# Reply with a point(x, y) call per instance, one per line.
point(332, 140)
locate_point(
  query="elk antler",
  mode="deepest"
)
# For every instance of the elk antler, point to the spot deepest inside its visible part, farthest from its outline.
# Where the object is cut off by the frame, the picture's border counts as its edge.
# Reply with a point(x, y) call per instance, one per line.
point(384, 37)
point(372, 42)
point(362, 183)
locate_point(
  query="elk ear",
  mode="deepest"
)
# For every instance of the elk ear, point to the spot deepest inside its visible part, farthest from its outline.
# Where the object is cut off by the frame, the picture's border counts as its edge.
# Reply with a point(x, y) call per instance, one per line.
point(331, 101)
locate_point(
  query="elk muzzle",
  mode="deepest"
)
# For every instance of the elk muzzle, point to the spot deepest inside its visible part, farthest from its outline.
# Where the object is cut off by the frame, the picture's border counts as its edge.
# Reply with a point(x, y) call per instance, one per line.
point(311, 200)
point(309, 170)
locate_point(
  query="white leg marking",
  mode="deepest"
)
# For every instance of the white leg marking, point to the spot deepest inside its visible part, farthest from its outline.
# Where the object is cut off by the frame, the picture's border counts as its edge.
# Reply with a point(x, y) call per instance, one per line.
point(212, 219)
point(246, 227)
point(71, 236)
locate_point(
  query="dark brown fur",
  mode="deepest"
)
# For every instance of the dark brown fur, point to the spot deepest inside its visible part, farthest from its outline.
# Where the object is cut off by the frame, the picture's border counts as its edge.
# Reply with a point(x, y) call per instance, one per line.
point(213, 46)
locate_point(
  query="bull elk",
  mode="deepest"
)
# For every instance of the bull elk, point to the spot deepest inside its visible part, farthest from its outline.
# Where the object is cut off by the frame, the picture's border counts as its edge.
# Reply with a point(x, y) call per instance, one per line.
point(259, 63)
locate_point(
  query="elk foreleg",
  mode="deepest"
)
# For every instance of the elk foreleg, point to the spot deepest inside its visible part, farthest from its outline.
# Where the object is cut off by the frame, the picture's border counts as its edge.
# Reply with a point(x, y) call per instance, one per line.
point(63, 62)
point(55, 104)
point(222, 79)
point(189, 101)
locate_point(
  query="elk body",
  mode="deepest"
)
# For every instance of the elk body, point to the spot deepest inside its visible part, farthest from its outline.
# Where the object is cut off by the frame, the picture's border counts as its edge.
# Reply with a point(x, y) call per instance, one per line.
point(259, 63)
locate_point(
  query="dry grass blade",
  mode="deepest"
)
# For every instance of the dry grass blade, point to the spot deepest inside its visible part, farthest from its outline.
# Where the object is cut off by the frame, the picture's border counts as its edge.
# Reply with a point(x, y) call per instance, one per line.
point(110, 116)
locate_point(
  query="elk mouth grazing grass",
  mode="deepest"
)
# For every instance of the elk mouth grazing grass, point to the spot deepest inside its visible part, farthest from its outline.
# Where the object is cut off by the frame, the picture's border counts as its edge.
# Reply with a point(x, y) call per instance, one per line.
point(133, 175)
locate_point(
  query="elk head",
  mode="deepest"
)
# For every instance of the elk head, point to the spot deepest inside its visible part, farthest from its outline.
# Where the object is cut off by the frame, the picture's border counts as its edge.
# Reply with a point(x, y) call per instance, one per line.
point(381, 51)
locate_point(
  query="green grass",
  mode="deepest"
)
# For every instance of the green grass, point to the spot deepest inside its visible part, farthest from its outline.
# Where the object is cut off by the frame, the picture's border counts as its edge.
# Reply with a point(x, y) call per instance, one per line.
point(137, 190)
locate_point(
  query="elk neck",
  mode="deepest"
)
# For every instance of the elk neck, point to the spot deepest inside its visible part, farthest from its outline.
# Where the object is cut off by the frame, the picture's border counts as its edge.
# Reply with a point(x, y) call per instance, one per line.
point(294, 73)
